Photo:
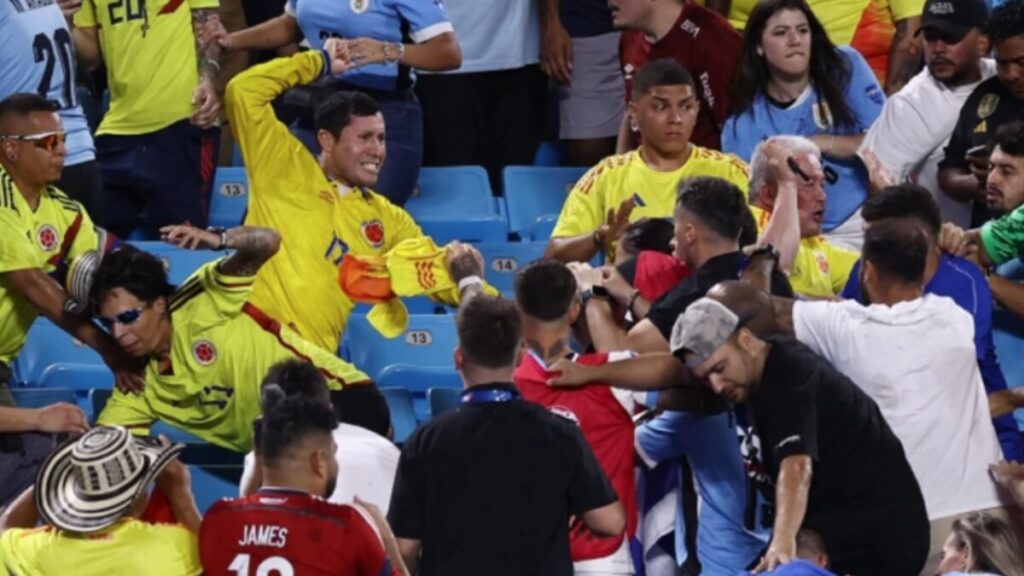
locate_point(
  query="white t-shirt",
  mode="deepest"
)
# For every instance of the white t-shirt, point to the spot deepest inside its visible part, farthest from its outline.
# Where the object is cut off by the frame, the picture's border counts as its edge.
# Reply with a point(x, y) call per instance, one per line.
point(917, 360)
point(495, 34)
point(913, 129)
point(366, 466)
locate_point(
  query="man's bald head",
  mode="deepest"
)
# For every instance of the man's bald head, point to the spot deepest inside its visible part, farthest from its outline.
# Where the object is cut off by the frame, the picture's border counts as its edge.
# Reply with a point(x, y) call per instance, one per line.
point(752, 305)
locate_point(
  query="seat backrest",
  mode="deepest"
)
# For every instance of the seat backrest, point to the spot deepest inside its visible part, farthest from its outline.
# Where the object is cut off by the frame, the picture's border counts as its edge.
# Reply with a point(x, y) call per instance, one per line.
point(403, 417)
point(179, 263)
point(98, 401)
point(419, 379)
point(535, 191)
point(446, 193)
point(502, 260)
point(48, 344)
point(230, 196)
point(1008, 336)
point(443, 399)
point(39, 397)
point(79, 377)
point(428, 341)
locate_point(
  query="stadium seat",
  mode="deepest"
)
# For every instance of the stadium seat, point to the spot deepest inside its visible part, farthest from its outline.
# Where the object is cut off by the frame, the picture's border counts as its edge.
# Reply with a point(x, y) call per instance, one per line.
point(48, 344)
point(428, 341)
point(403, 417)
point(39, 397)
point(549, 153)
point(443, 399)
point(419, 380)
point(503, 260)
point(534, 195)
point(456, 203)
point(97, 401)
point(78, 377)
point(180, 263)
point(229, 198)
point(236, 155)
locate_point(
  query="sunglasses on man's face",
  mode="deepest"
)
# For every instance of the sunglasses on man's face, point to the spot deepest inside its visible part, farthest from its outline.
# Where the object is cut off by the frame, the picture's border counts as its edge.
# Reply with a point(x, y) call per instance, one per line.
point(126, 318)
point(48, 141)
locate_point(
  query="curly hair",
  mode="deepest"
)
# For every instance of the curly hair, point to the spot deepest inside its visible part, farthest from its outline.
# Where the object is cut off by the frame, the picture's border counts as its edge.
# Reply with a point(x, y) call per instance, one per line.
point(140, 273)
point(1006, 22)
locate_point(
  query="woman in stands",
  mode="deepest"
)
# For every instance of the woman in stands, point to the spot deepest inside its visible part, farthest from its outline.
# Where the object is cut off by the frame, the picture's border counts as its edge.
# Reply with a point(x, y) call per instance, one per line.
point(981, 543)
point(793, 80)
point(387, 41)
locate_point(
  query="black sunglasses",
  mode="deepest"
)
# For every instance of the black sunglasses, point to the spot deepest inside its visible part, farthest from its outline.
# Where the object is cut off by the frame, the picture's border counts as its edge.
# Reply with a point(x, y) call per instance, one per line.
point(125, 318)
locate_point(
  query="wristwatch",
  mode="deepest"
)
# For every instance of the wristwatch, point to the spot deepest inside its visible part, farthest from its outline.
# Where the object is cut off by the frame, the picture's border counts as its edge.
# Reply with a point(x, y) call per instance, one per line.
point(223, 233)
point(594, 292)
point(762, 250)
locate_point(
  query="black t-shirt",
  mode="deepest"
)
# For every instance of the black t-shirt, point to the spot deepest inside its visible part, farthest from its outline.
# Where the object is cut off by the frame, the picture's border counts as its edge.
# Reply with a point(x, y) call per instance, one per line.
point(804, 406)
point(488, 488)
point(585, 18)
point(666, 310)
point(987, 108)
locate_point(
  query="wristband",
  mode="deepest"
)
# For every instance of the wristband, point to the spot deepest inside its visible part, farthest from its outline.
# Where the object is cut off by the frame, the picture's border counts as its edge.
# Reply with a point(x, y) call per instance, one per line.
point(470, 281)
point(632, 300)
point(223, 233)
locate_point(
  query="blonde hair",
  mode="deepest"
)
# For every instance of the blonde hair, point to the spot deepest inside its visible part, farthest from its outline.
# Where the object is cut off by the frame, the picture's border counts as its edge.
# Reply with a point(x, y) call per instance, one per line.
point(991, 544)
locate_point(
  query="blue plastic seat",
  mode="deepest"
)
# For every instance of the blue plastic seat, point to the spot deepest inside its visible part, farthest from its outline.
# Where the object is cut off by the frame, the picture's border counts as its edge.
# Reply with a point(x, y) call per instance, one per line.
point(180, 263)
point(549, 153)
point(534, 195)
point(418, 380)
point(503, 260)
point(229, 198)
point(429, 340)
point(48, 344)
point(403, 417)
point(1008, 334)
point(39, 397)
point(443, 399)
point(78, 377)
point(456, 203)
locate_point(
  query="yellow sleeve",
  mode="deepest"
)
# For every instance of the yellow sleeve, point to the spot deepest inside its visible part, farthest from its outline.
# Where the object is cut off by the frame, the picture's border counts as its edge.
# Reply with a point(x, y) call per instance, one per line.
point(16, 251)
point(185, 542)
point(227, 293)
point(903, 9)
point(129, 410)
point(840, 264)
point(738, 173)
point(202, 4)
point(268, 148)
point(87, 239)
point(12, 556)
point(86, 15)
point(584, 209)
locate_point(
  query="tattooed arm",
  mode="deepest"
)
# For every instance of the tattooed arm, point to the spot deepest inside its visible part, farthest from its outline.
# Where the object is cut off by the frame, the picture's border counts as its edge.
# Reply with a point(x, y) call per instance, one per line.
point(465, 263)
point(904, 55)
point(252, 246)
point(783, 314)
point(208, 51)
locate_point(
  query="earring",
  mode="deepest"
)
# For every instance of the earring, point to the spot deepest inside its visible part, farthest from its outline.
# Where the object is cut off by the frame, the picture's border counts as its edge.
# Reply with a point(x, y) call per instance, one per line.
point(633, 126)
point(760, 52)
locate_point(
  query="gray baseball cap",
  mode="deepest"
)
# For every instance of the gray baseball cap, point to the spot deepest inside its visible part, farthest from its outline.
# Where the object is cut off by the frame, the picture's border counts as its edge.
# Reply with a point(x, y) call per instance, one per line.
point(702, 329)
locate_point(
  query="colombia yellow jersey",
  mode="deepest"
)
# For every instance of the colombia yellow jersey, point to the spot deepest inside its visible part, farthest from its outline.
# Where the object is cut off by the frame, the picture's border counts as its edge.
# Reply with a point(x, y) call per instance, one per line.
point(129, 548)
point(820, 269)
point(150, 54)
point(221, 348)
point(617, 178)
point(49, 237)
point(289, 192)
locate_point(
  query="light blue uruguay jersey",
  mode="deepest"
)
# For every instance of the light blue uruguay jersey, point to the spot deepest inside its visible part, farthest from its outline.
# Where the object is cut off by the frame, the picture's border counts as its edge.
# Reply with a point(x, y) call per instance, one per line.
point(384, 20)
point(809, 116)
point(37, 55)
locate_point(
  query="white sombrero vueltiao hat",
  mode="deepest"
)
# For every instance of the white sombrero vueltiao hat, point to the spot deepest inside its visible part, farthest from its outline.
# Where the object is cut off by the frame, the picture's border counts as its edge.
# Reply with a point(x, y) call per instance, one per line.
point(88, 484)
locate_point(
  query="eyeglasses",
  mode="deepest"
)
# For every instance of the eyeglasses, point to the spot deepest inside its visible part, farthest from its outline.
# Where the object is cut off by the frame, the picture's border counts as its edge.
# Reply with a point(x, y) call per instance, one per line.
point(125, 318)
point(48, 141)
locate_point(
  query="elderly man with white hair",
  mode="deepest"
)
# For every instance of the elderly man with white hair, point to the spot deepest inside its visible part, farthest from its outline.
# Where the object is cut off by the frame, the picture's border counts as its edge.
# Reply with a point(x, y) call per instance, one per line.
point(787, 192)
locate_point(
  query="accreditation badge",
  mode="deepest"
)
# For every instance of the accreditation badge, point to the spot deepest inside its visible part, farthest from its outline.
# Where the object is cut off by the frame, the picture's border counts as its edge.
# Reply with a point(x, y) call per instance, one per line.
point(988, 105)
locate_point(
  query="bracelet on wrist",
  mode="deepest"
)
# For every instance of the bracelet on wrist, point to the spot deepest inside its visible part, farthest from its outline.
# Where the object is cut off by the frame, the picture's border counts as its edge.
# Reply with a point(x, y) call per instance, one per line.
point(632, 300)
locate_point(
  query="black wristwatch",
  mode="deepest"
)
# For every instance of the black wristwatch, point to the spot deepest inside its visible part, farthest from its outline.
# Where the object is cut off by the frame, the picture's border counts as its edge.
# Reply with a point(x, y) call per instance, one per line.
point(763, 250)
point(223, 233)
point(594, 292)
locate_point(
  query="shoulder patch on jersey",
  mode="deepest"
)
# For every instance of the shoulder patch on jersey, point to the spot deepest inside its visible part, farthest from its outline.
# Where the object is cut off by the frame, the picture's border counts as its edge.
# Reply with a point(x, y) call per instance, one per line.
point(204, 352)
point(359, 6)
point(7, 192)
point(874, 93)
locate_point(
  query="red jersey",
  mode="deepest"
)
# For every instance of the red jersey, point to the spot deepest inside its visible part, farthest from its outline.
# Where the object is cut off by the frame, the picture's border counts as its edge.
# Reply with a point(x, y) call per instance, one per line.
point(289, 532)
point(657, 273)
point(605, 418)
point(704, 43)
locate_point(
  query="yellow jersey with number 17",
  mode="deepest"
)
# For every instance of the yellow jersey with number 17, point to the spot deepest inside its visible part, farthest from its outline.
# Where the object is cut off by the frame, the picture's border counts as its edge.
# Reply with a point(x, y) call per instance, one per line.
point(221, 348)
point(149, 50)
point(289, 192)
point(618, 178)
point(48, 238)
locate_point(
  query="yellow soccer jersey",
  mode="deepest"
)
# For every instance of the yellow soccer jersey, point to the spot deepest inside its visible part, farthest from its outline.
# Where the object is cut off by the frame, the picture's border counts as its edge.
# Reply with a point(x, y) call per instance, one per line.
point(617, 178)
point(820, 269)
point(129, 548)
point(290, 193)
point(152, 68)
point(53, 235)
point(221, 349)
